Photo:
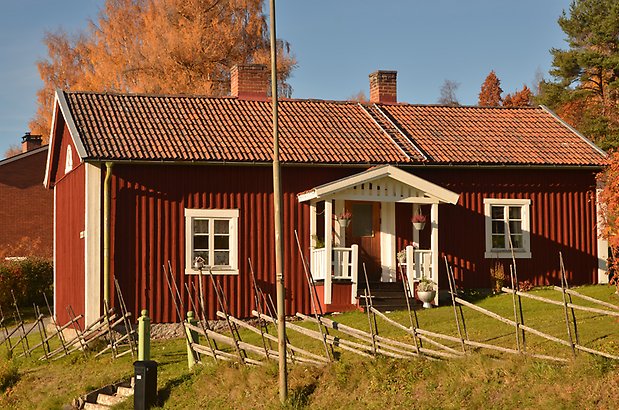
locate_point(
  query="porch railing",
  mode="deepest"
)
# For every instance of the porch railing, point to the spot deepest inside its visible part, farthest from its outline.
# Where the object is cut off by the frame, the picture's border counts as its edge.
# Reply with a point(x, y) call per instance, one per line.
point(343, 266)
point(418, 264)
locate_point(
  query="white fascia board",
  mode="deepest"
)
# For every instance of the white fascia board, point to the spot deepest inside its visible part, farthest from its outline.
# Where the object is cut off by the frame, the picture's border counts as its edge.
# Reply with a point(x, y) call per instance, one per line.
point(75, 135)
point(568, 126)
point(433, 190)
point(60, 101)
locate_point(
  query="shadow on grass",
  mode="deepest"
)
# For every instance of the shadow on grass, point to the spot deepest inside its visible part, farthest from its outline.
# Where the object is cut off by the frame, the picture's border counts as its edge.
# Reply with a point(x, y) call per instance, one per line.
point(163, 394)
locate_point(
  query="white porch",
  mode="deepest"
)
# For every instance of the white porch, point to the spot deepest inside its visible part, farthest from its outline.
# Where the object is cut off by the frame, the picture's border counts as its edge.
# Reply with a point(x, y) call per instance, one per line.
point(332, 261)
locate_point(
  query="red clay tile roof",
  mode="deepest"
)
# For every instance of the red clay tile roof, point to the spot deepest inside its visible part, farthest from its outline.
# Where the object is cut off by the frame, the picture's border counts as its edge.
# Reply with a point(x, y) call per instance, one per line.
point(143, 127)
point(189, 128)
point(492, 135)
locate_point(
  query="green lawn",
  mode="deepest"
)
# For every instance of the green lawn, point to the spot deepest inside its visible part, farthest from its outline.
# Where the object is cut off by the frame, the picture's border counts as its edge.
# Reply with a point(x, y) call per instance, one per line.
point(485, 379)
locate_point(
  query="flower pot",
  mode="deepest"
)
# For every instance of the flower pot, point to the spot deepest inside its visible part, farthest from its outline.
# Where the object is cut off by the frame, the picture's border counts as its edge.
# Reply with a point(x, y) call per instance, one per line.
point(344, 222)
point(426, 297)
point(419, 225)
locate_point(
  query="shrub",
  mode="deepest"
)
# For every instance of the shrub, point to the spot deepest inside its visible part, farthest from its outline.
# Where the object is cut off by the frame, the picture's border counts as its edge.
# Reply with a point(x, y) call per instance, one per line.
point(28, 278)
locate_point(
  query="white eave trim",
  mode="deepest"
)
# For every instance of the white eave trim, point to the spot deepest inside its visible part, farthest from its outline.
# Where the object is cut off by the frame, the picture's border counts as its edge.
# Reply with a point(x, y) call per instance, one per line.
point(372, 174)
point(568, 126)
point(61, 101)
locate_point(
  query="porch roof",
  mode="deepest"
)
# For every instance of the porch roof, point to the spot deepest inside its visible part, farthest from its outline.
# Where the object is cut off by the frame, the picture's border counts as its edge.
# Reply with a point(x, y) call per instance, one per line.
point(384, 183)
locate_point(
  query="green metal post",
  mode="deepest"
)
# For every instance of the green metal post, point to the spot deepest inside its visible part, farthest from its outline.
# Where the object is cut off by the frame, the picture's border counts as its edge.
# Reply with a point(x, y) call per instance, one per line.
point(192, 336)
point(144, 336)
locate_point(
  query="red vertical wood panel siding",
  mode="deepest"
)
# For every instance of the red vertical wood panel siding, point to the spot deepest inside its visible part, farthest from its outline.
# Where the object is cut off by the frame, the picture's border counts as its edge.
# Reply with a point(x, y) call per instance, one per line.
point(148, 227)
point(148, 230)
point(562, 220)
point(69, 264)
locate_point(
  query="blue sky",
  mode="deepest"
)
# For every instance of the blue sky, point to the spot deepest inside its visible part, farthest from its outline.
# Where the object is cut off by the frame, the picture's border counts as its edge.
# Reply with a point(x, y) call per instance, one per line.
point(337, 44)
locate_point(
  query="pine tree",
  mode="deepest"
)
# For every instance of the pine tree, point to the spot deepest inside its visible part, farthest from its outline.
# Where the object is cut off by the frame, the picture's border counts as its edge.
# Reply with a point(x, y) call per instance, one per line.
point(585, 89)
point(490, 95)
point(159, 46)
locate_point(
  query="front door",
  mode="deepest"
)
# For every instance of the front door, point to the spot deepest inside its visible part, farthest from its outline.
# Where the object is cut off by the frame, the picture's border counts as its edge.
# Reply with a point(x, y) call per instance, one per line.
point(364, 231)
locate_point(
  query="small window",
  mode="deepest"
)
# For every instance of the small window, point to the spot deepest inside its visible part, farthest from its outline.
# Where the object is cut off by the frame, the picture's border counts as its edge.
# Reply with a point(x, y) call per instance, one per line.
point(507, 228)
point(362, 223)
point(212, 235)
point(68, 164)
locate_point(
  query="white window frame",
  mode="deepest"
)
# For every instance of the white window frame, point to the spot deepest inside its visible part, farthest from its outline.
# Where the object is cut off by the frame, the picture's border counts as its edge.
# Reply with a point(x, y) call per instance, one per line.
point(232, 215)
point(521, 253)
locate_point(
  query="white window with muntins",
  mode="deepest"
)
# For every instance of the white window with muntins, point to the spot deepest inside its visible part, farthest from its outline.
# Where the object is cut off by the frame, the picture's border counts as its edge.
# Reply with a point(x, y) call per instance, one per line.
point(507, 226)
point(212, 234)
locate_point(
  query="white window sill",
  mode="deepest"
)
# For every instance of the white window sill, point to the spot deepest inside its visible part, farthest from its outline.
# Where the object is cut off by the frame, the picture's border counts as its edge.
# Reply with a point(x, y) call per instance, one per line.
point(214, 272)
point(507, 254)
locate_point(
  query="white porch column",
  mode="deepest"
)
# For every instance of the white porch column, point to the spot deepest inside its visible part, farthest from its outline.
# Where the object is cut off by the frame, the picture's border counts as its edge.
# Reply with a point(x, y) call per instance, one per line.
point(340, 232)
point(387, 241)
point(312, 232)
point(434, 246)
point(328, 249)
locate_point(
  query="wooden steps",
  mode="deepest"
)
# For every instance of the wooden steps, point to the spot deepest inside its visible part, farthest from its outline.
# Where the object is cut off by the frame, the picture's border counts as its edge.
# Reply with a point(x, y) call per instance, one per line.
point(386, 296)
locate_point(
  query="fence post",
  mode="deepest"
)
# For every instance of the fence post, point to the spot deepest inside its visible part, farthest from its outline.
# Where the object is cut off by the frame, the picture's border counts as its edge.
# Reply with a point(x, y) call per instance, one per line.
point(144, 336)
point(192, 337)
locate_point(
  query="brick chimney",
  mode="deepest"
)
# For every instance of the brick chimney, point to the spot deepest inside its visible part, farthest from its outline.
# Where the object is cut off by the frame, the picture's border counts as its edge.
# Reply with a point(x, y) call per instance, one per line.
point(383, 87)
point(30, 142)
point(249, 81)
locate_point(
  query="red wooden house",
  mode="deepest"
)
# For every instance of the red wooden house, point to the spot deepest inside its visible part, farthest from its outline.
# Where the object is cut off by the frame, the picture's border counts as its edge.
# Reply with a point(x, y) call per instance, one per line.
point(191, 176)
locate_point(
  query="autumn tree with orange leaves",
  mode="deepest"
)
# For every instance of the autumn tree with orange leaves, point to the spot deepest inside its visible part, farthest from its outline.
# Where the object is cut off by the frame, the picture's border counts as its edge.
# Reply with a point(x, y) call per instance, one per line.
point(490, 94)
point(159, 46)
point(520, 98)
point(609, 215)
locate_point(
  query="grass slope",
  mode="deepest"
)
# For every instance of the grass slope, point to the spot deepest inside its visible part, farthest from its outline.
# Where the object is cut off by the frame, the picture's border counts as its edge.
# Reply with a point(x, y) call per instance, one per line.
point(488, 380)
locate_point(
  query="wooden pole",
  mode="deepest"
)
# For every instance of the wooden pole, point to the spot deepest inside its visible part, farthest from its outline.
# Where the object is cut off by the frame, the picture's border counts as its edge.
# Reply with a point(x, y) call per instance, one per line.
point(277, 216)
point(511, 275)
point(564, 287)
point(313, 296)
point(567, 318)
point(453, 303)
point(408, 293)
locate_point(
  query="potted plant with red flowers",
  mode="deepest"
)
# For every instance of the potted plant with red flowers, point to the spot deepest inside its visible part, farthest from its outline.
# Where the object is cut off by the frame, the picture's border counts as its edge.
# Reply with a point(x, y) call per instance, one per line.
point(345, 218)
point(419, 221)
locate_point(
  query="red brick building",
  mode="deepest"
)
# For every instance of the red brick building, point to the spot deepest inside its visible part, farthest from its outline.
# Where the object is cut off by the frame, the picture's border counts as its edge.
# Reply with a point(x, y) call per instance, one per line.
point(191, 176)
point(26, 207)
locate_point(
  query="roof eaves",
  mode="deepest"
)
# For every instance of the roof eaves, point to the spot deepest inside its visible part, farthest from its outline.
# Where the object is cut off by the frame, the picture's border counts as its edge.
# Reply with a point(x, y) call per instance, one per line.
point(23, 155)
point(568, 126)
point(66, 112)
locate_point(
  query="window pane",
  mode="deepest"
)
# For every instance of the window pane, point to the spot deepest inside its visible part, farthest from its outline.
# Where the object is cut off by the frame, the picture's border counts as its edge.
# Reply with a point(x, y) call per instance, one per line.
point(497, 212)
point(200, 242)
point(515, 227)
point(203, 255)
point(515, 212)
point(222, 226)
point(362, 220)
point(517, 241)
point(222, 258)
point(200, 225)
point(498, 227)
point(222, 242)
point(498, 241)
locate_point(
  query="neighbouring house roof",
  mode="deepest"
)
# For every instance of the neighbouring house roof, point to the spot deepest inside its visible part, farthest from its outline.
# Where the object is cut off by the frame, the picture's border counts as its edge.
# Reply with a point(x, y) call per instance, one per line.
point(23, 155)
point(190, 128)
